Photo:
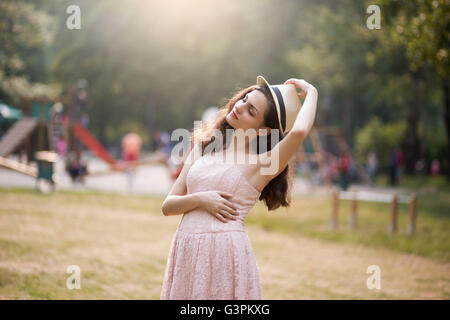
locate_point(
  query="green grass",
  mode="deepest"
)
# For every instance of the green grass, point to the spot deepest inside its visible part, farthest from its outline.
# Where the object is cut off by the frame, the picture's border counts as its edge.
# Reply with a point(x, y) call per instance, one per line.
point(413, 183)
point(310, 216)
point(110, 237)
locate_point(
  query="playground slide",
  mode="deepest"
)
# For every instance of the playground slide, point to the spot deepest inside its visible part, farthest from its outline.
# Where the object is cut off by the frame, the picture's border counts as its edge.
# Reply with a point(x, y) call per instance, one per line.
point(92, 144)
point(16, 135)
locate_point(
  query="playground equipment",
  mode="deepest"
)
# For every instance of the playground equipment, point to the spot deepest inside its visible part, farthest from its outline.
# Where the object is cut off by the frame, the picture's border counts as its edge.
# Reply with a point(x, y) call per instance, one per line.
point(45, 161)
point(41, 126)
point(322, 144)
point(16, 135)
point(19, 167)
point(26, 136)
point(20, 137)
point(394, 199)
point(92, 144)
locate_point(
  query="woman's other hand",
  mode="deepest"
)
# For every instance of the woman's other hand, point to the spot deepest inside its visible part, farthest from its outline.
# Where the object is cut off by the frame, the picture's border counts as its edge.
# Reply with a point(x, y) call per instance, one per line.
point(217, 204)
point(300, 84)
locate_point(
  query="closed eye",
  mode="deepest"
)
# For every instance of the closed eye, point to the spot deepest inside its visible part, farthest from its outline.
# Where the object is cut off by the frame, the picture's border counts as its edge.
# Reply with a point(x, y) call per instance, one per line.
point(251, 106)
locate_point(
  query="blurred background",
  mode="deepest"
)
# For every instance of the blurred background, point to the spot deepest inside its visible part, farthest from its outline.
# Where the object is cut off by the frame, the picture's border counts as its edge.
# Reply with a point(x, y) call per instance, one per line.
point(88, 111)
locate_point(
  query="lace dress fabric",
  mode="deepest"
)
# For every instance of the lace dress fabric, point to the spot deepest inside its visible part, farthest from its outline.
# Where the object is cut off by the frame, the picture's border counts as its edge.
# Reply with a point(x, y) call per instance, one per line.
point(210, 259)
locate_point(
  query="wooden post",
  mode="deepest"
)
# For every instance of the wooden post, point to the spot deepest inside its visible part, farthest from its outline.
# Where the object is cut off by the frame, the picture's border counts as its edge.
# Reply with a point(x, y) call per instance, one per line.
point(335, 210)
point(20, 153)
point(41, 127)
point(28, 148)
point(412, 213)
point(394, 209)
point(354, 211)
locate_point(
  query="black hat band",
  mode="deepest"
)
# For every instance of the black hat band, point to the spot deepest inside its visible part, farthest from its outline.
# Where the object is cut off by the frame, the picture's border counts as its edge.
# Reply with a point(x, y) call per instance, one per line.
point(282, 107)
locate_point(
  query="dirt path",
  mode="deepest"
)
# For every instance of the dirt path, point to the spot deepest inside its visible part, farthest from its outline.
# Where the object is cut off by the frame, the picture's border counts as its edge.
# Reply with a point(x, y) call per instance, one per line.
point(295, 267)
point(123, 254)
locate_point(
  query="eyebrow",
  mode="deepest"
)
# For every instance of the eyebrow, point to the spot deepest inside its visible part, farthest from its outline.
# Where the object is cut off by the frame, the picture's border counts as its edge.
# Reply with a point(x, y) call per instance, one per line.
point(251, 104)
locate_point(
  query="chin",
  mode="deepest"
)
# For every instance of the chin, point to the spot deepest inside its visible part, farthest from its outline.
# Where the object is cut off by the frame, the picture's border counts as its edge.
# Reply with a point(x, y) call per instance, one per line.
point(229, 120)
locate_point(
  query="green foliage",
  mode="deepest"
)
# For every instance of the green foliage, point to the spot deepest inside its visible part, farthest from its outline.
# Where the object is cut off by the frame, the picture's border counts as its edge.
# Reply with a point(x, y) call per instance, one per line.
point(160, 65)
point(422, 29)
point(164, 63)
point(379, 137)
point(25, 33)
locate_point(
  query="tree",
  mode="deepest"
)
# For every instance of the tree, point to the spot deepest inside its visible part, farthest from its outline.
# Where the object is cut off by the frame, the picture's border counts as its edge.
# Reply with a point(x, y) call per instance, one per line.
point(24, 41)
point(422, 27)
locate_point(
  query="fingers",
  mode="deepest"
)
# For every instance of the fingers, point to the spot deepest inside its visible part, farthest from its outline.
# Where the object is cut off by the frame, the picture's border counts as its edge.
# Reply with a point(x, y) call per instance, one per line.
point(218, 216)
point(227, 210)
point(225, 194)
point(230, 210)
point(290, 81)
point(225, 214)
point(298, 83)
point(228, 203)
point(295, 82)
point(302, 94)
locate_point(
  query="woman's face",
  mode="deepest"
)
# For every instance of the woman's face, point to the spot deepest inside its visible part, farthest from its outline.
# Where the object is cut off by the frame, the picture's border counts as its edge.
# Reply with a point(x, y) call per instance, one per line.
point(248, 112)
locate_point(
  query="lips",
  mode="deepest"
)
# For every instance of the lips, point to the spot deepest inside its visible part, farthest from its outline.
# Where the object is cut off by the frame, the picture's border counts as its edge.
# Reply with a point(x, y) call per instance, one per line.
point(233, 114)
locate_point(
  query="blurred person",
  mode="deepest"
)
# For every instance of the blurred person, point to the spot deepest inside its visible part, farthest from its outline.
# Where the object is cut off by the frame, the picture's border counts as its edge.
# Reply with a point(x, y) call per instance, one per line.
point(76, 167)
point(353, 172)
point(82, 171)
point(393, 168)
point(61, 147)
point(211, 256)
point(435, 168)
point(333, 168)
point(372, 163)
point(165, 143)
point(155, 140)
point(400, 163)
point(344, 166)
point(131, 148)
point(419, 166)
point(163, 147)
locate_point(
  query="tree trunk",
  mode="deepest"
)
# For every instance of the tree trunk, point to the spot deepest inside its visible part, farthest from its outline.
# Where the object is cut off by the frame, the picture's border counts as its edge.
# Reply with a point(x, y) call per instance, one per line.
point(446, 88)
point(412, 138)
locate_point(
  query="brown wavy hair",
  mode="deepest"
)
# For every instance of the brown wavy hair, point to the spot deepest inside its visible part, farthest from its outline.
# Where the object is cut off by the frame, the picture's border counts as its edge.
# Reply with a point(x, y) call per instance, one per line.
point(278, 191)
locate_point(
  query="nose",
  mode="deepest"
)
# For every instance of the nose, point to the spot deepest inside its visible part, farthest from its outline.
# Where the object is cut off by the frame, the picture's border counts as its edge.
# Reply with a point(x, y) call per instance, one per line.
point(238, 108)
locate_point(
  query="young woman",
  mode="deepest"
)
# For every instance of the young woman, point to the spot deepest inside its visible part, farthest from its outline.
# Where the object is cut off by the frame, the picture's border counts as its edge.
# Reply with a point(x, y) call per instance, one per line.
point(211, 256)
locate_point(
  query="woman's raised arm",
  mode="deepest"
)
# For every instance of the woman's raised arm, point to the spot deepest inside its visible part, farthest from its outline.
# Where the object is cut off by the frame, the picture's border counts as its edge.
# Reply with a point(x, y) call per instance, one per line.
point(279, 156)
point(305, 118)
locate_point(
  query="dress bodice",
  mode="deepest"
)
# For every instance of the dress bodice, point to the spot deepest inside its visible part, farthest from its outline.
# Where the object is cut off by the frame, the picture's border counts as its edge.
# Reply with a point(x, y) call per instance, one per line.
point(208, 175)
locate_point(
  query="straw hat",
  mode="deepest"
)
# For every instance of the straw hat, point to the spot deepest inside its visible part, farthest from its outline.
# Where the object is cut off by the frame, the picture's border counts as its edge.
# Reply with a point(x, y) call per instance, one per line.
point(287, 102)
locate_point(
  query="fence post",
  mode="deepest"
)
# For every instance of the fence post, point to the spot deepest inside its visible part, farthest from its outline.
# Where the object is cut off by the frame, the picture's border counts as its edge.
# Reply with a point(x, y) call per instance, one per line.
point(394, 209)
point(335, 210)
point(353, 212)
point(412, 213)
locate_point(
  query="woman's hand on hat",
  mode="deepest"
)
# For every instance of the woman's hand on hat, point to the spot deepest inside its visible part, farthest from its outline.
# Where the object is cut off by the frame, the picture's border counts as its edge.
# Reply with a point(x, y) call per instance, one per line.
point(300, 84)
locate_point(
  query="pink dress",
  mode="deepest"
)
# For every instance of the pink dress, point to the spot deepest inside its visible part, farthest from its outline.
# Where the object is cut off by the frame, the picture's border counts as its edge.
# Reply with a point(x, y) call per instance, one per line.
point(210, 259)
